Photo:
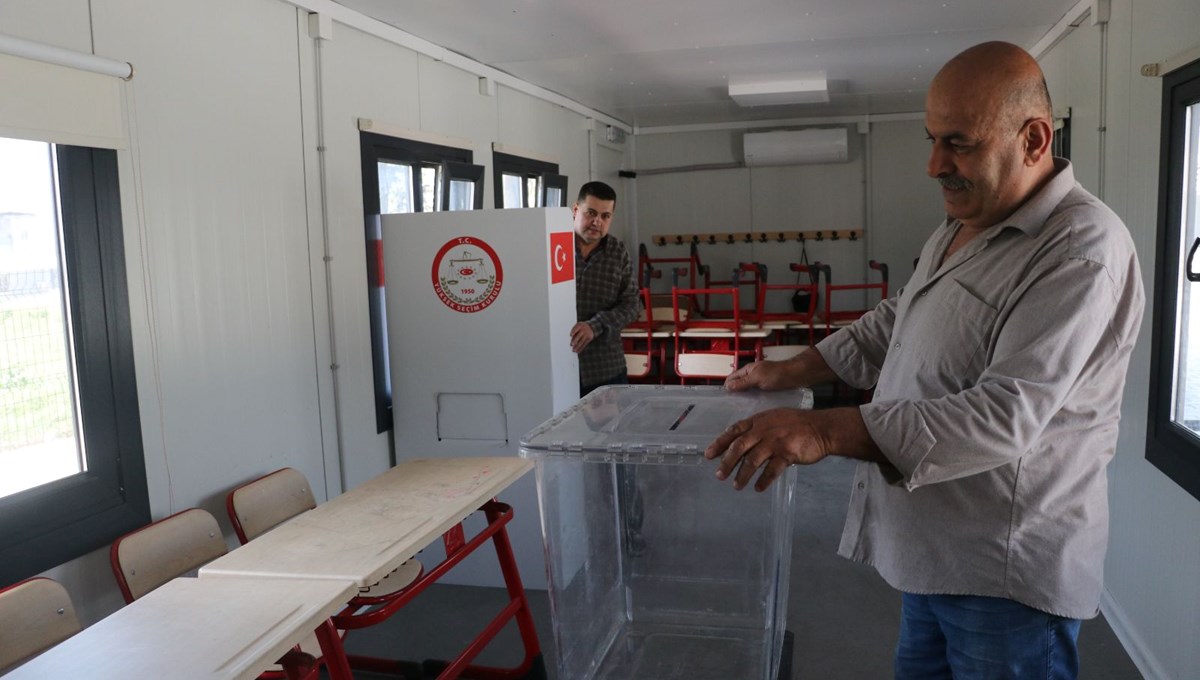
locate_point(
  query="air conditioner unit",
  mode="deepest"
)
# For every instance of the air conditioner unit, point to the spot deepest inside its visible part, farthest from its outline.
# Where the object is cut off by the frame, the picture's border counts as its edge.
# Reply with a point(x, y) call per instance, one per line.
point(795, 147)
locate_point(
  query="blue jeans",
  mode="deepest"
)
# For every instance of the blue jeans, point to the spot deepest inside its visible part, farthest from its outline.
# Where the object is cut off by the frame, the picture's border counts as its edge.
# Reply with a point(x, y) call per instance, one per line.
point(969, 637)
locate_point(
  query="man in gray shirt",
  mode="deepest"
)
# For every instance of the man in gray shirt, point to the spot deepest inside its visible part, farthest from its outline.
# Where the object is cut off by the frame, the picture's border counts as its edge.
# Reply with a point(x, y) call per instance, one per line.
point(998, 374)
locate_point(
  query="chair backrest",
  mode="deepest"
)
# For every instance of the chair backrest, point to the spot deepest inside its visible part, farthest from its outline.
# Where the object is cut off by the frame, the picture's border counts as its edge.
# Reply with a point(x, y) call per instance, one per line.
point(721, 357)
point(753, 274)
point(35, 615)
point(146, 558)
point(263, 504)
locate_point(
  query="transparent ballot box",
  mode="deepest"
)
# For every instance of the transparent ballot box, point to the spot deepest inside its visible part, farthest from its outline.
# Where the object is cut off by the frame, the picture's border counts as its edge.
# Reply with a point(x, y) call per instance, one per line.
point(657, 569)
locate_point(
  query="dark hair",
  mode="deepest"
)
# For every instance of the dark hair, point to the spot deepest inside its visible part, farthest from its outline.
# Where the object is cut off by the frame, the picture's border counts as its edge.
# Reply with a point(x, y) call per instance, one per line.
point(598, 189)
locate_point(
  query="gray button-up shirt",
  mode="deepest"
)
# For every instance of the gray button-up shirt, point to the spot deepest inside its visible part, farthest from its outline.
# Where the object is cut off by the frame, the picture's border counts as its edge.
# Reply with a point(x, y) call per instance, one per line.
point(998, 379)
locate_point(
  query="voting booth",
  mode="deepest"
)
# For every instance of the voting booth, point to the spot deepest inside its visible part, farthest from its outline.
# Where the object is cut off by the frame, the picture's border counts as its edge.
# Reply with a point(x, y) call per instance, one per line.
point(480, 306)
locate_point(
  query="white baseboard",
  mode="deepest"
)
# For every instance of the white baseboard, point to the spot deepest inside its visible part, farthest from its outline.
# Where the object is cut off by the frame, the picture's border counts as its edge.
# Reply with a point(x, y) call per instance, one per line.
point(1130, 640)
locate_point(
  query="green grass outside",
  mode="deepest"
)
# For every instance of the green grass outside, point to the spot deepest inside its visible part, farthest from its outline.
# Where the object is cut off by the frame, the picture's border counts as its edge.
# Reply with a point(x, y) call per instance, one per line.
point(35, 396)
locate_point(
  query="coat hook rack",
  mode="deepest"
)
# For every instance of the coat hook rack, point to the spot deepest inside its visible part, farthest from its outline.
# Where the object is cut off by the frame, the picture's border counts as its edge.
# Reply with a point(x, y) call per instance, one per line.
point(745, 237)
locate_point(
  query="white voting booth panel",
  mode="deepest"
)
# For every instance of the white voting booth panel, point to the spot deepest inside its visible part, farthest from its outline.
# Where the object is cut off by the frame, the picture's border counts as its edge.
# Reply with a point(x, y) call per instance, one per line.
point(480, 306)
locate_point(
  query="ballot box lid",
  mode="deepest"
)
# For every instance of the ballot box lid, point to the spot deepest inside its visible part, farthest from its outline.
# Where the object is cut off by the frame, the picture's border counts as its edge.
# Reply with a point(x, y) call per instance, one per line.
point(670, 424)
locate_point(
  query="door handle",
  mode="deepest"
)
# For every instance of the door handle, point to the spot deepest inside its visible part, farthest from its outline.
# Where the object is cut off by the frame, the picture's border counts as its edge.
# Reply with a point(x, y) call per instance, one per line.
point(1192, 276)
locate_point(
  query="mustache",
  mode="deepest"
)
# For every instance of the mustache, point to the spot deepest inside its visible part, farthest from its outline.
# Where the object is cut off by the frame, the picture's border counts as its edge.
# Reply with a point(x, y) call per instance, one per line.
point(955, 182)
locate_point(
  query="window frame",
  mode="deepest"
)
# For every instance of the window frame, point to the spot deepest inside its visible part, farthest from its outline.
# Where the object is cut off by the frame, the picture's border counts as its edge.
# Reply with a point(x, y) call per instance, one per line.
point(506, 163)
point(53, 523)
point(454, 172)
point(1173, 451)
point(373, 149)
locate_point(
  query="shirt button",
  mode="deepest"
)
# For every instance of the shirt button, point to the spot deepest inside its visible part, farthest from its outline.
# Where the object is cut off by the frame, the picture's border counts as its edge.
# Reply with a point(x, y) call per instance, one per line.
point(924, 293)
point(896, 346)
point(862, 485)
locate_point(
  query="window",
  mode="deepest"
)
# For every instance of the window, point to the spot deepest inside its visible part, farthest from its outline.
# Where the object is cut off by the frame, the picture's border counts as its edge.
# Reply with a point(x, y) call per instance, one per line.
point(403, 176)
point(1173, 432)
point(525, 183)
point(71, 466)
point(1061, 146)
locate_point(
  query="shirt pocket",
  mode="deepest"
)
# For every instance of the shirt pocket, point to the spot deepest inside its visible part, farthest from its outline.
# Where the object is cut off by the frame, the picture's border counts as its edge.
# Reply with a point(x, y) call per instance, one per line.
point(954, 333)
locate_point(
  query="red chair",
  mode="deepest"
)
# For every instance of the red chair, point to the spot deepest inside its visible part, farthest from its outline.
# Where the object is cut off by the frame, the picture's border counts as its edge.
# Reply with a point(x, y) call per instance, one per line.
point(794, 319)
point(35, 615)
point(704, 302)
point(751, 274)
point(174, 546)
point(834, 320)
point(643, 341)
point(705, 347)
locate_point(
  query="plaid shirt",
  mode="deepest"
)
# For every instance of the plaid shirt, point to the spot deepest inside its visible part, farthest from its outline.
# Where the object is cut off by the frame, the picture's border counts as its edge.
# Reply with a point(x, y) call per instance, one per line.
point(606, 297)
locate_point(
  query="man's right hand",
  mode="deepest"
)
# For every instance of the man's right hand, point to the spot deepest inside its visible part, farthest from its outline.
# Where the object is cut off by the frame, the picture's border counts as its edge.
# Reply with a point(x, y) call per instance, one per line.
point(804, 369)
point(765, 375)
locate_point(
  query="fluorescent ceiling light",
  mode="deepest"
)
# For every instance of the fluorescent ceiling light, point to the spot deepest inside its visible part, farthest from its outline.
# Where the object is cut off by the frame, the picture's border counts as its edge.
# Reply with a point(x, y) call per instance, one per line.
point(783, 88)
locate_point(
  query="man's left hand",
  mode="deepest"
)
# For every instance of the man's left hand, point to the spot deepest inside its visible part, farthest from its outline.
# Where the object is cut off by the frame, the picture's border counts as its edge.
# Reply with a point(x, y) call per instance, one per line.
point(581, 336)
point(770, 441)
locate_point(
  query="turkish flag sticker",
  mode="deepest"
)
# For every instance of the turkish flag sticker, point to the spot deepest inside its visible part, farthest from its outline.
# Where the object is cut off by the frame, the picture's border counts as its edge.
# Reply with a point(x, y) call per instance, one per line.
point(562, 256)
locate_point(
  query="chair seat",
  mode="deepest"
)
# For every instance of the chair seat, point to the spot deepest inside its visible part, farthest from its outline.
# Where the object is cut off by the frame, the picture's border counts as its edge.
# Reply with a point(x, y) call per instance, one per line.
point(637, 365)
point(699, 364)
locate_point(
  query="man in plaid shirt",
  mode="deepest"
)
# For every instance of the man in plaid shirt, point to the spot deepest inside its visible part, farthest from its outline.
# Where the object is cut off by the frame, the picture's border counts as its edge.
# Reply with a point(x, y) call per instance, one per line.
point(606, 294)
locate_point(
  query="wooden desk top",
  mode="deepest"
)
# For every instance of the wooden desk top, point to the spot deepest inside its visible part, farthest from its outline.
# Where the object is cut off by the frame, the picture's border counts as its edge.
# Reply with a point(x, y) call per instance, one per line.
point(370, 530)
point(195, 628)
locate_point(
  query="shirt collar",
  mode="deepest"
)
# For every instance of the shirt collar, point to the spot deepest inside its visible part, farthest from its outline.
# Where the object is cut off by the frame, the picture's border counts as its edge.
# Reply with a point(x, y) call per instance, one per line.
point(1035, 211)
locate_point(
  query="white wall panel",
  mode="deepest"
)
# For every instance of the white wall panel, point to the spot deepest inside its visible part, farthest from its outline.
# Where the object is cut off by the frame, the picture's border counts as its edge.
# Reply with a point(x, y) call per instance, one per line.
point(362, 77)
point(906, 204)
point(451, 105)
point(1074, 82)
point(541, 127)
point(222, 239)
point(62, 23)
point(673, 150)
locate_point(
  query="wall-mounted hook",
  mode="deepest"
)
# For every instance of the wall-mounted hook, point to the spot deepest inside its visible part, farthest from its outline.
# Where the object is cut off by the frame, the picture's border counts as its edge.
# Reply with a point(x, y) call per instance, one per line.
point(712, 238)
point(662, 240)
point(800, 237)
point(820, 236)
point(678, 240)
point(853, 235)
point(762, 238)
point(695, 238)
point(781, 238)
point(748, 238)
point(834, 236)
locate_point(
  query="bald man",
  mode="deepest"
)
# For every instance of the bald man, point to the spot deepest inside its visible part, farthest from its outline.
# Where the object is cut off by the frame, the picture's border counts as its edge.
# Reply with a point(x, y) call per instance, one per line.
point(998, 372)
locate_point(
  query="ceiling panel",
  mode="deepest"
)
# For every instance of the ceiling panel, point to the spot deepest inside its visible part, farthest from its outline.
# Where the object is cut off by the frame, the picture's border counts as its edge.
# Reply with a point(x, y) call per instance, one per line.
point(660, 63)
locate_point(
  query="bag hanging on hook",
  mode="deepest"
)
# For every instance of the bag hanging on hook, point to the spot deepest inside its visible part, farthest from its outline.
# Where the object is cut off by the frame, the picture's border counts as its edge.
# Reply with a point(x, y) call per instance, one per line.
point(802, 299)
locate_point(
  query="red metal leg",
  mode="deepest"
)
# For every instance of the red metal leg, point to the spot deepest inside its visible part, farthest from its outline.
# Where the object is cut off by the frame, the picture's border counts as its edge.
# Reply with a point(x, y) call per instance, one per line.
point(332, 653)
point(498, 515)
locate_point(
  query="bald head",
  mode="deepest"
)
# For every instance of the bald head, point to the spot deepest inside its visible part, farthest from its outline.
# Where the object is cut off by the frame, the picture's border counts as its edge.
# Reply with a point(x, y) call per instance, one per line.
point(988, 118)
point(998, 80)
